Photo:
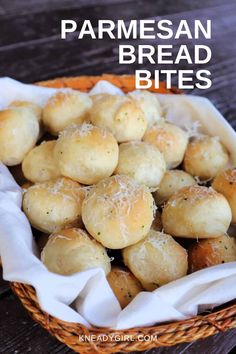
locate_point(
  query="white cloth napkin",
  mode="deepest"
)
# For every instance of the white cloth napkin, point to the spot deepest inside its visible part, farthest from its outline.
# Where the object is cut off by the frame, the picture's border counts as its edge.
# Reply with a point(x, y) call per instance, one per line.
point(93, 301)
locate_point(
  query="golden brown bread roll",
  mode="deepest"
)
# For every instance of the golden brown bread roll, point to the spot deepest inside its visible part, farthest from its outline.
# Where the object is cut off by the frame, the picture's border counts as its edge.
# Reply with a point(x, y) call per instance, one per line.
point(39, 165)
point(170, 140)
point(73, 250)
point(210, 252)
point(225, 183)
point(205, 157)
point(30, 105)
point(196, 212)
point(149, 104)
point(65, 108)
point(53, 205)
point(156, 260)
point(19, 131)
point(118, 211)
point(141, 161)
point(120, 115)
point(124, 285)
point(37, 110)
point(172, 181)
point(86, 153)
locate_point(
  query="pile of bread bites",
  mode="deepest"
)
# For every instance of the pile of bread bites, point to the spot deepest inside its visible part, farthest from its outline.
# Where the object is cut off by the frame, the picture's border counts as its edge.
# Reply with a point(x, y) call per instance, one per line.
point(114, 179)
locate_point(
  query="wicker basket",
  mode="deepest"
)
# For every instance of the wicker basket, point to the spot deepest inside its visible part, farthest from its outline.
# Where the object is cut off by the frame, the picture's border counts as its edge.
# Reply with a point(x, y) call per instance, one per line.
point(165, 335)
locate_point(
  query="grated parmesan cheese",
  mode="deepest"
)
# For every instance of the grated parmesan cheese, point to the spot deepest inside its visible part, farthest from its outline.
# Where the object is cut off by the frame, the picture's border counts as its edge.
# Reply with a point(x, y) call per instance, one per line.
point(77, 130)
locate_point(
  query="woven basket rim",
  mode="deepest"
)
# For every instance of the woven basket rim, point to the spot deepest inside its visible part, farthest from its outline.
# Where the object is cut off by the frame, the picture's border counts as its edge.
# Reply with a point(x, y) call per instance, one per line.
point(165, 334)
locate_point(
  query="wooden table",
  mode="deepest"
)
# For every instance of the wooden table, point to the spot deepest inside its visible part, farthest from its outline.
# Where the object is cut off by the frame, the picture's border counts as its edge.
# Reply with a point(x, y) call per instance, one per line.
point(31, 50)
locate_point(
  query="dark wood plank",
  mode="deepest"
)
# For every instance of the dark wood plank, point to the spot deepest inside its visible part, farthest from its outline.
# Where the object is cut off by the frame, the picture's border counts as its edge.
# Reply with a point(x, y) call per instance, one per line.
point(48, 57)
point(146, 7)
point(19, 334)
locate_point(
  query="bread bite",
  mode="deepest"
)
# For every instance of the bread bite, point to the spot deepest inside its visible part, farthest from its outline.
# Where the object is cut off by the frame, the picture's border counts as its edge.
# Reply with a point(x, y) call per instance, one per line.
point(39, 165)
point(210, 252)
point(73, 250)
point(141, 161)
point(120, 115)
point(196, 212)
point(86, 153)
point(170, 140)
point(65, 108)
point(225, 183)
point(149, 104)
point(118, 211)
point(124, 285)
point(156, 260)
point(205, 157)
point(30, 105)
point(172, 182)
point(19, 131)
point(54, 205)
